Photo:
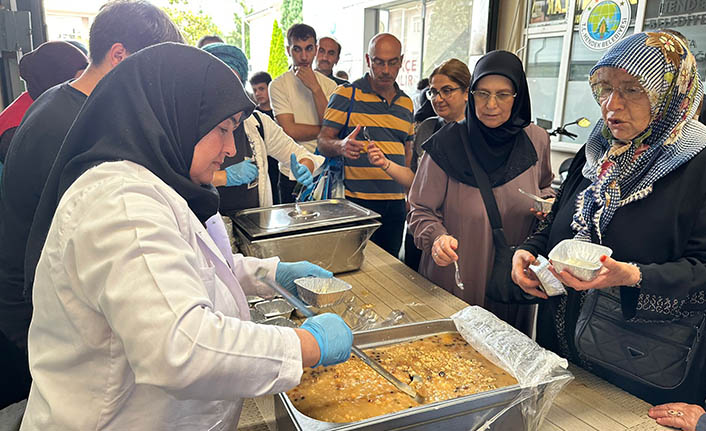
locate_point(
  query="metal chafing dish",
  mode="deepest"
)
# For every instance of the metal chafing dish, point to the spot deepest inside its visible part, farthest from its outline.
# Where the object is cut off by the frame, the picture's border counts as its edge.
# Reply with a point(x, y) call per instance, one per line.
point(450, 415)
point(330, 233)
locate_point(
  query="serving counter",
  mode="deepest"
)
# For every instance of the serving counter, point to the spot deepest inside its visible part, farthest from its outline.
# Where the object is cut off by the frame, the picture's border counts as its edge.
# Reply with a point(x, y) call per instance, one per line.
point(587, 403)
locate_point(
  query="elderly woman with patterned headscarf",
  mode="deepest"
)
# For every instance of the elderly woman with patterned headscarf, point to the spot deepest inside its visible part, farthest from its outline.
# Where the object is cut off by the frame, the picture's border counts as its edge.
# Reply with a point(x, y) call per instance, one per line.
point(638, 187)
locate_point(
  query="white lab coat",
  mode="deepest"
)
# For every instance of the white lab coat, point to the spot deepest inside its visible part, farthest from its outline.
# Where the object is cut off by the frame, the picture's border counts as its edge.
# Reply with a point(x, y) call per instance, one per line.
point(278, 145)
point(139, 321)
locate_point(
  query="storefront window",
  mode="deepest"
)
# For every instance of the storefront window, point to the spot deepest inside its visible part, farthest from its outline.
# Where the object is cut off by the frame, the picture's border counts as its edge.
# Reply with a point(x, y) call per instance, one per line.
point(405, 23)
point(579, 101)
point(548, 11)
point(542, 68)
point(448, 32)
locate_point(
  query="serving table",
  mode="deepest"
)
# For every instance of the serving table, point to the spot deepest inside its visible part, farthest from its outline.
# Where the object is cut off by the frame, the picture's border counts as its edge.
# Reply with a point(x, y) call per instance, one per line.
point(588, 403)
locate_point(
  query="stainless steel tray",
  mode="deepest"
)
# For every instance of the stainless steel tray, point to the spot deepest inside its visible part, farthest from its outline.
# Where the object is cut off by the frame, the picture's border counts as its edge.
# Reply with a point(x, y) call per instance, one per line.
point(284, 219)
point(337, 249)
point(455, 414)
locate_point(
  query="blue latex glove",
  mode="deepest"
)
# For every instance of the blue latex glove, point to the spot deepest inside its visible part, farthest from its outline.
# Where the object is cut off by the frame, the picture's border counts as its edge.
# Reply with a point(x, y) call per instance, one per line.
point(241, 173)
point(301, 173)
point(333, 336)
point(287, 272)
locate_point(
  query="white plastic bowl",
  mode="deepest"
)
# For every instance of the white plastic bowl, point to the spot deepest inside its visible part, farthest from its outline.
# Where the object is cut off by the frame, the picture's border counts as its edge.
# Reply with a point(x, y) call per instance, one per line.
point(580, 258)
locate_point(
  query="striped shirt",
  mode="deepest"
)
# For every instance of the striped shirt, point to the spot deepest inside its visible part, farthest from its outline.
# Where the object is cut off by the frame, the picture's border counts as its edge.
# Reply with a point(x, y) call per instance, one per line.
point(390, 126)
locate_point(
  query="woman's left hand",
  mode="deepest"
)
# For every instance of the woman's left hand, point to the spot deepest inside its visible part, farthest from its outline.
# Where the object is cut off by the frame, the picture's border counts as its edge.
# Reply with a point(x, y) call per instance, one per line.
point(613, 273)
point(376, 156)
point(677, 415)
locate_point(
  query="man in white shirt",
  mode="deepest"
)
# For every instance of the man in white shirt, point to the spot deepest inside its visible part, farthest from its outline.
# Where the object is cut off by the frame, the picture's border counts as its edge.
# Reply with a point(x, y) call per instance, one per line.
point(299, 97)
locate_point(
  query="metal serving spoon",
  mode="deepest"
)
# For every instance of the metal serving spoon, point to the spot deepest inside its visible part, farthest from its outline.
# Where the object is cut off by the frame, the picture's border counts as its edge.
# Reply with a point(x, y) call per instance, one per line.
point(261, 275)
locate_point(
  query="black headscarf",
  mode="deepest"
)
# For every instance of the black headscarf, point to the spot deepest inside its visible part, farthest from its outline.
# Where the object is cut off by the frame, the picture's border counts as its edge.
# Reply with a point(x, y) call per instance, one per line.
point(505, 151)
point(151, 109)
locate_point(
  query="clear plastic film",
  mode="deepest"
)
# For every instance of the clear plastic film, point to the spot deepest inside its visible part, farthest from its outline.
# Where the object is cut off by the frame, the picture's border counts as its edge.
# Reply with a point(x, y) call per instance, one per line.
point(541, 374)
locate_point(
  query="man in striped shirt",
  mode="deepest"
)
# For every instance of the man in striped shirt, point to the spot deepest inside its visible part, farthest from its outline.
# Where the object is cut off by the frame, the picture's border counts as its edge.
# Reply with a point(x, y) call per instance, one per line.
point(377, 180)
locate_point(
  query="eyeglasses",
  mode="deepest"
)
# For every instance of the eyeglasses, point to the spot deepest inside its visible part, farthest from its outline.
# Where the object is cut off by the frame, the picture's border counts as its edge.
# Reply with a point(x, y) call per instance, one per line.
point(602, 91)
point(378, 62)
point(482, 96)
point(445, 92)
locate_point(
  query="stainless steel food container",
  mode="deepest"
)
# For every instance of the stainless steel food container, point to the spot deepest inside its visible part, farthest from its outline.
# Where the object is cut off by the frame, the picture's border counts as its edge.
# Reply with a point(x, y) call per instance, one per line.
point(274, 308)
point(584, 251)
point(321, 292)
point(330, 233)
point(457, 414)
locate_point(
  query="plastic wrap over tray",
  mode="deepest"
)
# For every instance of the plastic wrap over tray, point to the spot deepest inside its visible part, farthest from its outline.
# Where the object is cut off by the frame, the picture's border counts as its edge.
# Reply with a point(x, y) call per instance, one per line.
point(540, 373)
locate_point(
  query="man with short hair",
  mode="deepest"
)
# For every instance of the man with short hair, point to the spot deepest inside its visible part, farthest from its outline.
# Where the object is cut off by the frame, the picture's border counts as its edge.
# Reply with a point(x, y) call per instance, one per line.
point(121, 28)
point(299, 98)
point(259, 83)
point(378, 181)
point(208, 39)
point(327, 56)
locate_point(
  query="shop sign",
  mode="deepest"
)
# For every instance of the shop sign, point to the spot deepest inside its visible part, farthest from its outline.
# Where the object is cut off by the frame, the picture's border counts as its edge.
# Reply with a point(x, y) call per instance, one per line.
point(545, 11)
point(603, 23)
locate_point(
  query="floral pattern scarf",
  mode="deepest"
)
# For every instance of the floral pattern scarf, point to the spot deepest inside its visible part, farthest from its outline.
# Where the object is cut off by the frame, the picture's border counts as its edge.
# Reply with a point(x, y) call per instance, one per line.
point(667, 71)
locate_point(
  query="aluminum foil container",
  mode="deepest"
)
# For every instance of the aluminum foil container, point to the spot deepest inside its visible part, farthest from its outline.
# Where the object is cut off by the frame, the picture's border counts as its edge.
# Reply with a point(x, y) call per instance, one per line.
point(274, 308)
point(549, 284)
point(253, 299)
point(256, 316)
point(280, 321)
point(580, 258)
point(544, 205)
point(321, 292)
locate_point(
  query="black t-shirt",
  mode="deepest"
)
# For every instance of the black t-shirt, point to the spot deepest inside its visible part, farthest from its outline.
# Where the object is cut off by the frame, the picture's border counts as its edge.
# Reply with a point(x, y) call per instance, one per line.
point(29, 159)
point(236, 198)
point(269, 113)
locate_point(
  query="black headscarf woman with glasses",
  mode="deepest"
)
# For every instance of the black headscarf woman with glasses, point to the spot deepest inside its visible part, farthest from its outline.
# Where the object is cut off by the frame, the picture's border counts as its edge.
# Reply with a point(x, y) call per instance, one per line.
point(448, 217)
point(140, 316)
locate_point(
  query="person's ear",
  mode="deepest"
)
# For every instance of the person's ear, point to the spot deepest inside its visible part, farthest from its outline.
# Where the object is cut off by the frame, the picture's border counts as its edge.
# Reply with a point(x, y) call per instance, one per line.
point(289, 54)
point(367, 60)
point(116, 54)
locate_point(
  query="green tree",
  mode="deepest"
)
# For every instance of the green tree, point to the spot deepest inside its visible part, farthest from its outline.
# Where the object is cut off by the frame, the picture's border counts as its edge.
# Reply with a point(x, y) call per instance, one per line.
point(291, 13)
point(193, 26)
point(235, 37)
point(443, 44)
point(277, 63)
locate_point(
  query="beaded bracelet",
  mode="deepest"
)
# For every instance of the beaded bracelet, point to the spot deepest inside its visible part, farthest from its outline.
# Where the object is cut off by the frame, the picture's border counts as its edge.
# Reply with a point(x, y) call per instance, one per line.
point(639, 281)
point(386, 167)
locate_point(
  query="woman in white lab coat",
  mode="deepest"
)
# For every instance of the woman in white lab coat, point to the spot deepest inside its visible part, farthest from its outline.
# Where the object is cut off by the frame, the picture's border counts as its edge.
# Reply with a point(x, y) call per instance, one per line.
point(140, 318)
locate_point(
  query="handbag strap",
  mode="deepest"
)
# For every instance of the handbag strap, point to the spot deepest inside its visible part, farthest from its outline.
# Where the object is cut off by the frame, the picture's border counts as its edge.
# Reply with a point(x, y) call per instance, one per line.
point(344, 130)
point(491, 206)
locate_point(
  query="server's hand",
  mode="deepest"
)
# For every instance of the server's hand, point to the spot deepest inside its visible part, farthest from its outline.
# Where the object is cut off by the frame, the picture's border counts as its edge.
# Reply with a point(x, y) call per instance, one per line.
point(241, 173)
point(333, 336)
point(287, 272)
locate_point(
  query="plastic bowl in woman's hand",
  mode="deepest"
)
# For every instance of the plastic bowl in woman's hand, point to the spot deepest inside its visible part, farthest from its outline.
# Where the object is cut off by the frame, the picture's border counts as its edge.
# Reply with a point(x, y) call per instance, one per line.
point(580, 258)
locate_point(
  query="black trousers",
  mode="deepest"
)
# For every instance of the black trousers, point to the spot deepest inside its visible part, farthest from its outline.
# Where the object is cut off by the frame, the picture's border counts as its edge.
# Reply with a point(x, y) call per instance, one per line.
point(393, 212)
point(286, 187)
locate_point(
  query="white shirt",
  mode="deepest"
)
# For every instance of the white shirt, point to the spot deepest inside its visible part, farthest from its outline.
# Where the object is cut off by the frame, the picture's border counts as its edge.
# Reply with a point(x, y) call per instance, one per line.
point(289, 95)
point(139, 321)
point(278, 145)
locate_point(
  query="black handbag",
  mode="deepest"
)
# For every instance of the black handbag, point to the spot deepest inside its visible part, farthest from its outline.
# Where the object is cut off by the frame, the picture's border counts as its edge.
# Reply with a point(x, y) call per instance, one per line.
point(659, 354)
point(500, 287)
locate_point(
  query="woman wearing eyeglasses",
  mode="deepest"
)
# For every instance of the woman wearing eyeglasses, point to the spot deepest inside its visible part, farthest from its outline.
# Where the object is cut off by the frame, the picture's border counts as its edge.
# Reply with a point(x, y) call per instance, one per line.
point(448, 94)
point(638, 187)
point(448, 217)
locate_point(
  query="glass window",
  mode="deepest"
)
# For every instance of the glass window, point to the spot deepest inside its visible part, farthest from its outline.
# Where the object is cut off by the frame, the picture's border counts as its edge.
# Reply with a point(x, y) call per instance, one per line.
point(582, 4)
point(404, 23)
point(547, 11)
point(542, 68)
point(448, 32)
point(579, 101)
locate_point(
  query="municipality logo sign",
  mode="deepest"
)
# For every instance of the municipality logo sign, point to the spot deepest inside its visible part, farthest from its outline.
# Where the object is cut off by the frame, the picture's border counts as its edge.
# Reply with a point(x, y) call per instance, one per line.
point(603, 23)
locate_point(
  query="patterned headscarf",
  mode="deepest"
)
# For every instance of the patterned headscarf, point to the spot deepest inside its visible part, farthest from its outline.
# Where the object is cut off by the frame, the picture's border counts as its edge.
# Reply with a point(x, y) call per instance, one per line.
point(667, 71)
